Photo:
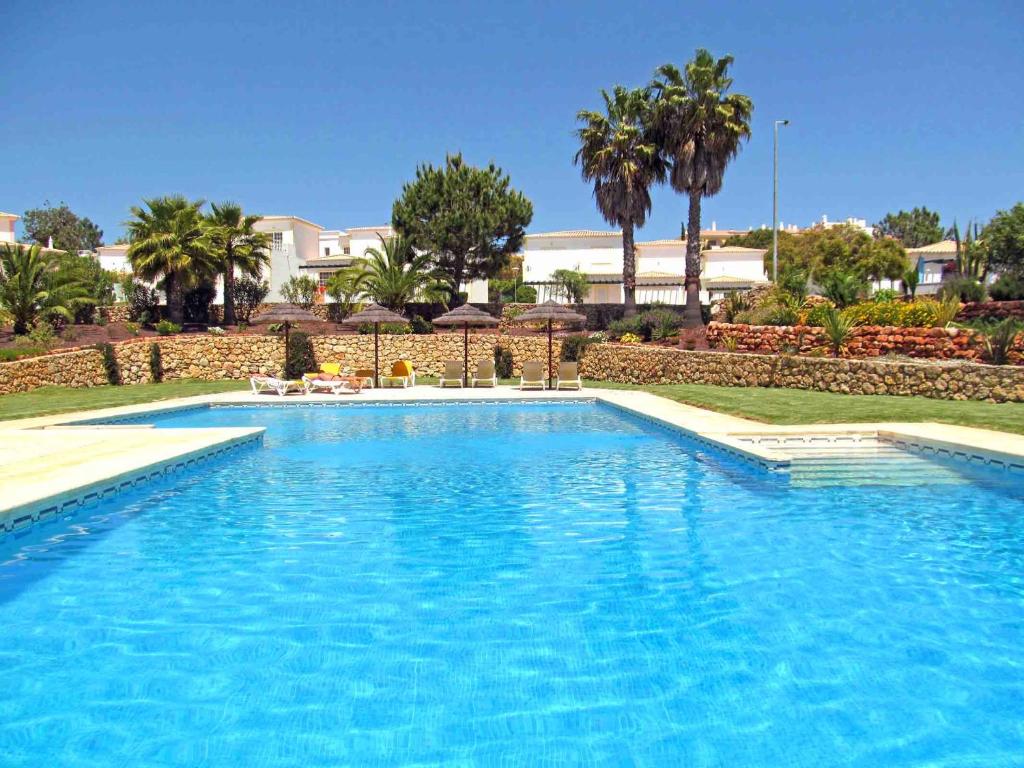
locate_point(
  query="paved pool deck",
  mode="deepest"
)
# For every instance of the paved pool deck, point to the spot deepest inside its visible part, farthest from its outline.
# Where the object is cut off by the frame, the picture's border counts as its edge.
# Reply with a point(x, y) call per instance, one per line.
point(48, 463)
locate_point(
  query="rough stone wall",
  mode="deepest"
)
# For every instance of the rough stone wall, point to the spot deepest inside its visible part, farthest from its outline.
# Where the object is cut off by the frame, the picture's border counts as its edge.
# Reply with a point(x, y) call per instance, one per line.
point(867, 341)
point(636, 364)
point(203, 356)
point(994, 310)
point(116, 313)
point(428, 353)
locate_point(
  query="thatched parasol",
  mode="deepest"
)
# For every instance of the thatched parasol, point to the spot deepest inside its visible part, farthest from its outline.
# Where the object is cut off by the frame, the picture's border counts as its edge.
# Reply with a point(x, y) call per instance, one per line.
point(466, 316)
point(375, 314)
point(287, 315)
point(553, 313)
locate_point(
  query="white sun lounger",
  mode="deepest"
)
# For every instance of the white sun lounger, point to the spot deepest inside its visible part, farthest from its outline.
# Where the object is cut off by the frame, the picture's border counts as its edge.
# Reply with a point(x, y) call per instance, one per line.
point(334, 387)
point(261, 384)
point(568, 376)
point(533, 375)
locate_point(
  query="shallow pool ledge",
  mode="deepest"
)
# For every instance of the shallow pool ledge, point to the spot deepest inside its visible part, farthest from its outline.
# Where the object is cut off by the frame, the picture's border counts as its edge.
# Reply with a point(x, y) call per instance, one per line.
point(48, 472)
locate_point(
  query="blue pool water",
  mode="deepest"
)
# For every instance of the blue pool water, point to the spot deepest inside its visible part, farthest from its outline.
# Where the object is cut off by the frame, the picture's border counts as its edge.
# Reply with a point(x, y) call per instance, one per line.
point(514, 585)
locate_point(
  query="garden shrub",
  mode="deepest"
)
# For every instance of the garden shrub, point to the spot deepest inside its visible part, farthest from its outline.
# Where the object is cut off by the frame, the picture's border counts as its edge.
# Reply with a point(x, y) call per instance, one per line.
point(964, 288)
point(632, 325)
point(420, 325)
point(838, 328)
point(630, 338)
point(503, 362)
point(196, 302)
point(301, 290)
point(573, 346)
point(249, 294)
point(110, 366)
point(733, 304)
point(883, 295)
point(156, 362)
point(1007, 288)
point(166, 328)
point(389, 329)
point(999, 341)
point(299, 357)
point(143, 302)
point(657, 324)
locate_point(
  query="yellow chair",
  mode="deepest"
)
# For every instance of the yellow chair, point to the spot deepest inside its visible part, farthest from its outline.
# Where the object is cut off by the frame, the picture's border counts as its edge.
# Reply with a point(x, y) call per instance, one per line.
point(402, 374)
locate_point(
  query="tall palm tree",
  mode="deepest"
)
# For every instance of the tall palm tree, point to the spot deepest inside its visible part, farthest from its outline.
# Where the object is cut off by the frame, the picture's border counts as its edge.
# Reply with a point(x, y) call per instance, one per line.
point(237, 247)
point(394, 274)
point(169, 238)
point(32, 286)
point(700, 127)
point(619, 155)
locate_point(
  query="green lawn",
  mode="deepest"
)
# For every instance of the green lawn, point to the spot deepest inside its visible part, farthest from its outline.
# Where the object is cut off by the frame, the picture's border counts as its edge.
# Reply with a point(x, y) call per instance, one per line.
point(795, 406)
point(49, 400)
point(774, 406)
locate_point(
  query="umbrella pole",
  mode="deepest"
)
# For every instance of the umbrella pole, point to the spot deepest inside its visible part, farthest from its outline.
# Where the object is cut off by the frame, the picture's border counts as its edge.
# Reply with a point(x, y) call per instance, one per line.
point(550, 377)
point(465, 357)
point(376, 355)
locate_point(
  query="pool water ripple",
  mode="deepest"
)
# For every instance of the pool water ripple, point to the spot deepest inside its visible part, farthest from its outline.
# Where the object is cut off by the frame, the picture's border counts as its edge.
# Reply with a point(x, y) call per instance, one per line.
point(516, 585)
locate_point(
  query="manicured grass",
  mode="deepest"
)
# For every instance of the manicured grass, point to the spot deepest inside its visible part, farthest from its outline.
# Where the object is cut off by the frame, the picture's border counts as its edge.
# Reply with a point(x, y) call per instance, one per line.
point(794, 406)
point(50, 400)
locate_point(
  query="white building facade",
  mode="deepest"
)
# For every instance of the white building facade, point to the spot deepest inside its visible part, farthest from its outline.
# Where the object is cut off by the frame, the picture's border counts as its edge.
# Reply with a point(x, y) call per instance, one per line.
point(7, 222)
point(660, 267)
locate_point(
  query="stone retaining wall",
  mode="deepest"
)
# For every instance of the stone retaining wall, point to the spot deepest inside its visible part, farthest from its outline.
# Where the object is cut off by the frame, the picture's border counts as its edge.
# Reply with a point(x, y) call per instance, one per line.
point(994, 310)
point(867, 341)
point(205, 356)
point(637, 364)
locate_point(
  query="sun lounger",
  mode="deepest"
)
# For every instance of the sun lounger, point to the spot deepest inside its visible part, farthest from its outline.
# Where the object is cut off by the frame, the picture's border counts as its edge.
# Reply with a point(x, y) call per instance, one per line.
point(336, 385)
point(365, 376)
point(485, 375)
point(452, 375)
point(533, 375)
point(568, 376)
point(402, 374)
point(261, 384)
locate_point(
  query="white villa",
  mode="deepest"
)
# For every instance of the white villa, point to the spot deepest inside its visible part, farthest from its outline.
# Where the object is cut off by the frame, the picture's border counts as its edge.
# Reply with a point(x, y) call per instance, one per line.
point(660, 267)
point(7, 221)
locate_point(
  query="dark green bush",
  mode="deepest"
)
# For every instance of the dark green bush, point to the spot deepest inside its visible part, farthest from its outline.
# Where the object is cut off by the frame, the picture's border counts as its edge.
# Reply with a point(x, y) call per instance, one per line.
point(964, 288)
point(299, 357)
point(110, 366)
point(143, 302)
point(1007, 288)
point(573, 346)
point(249, 294)
point(660, 323)
point(196, 302)
point(1000, 340)
point(635, 325)
point(503, 362)
point(156, 362)
point(421, 326)
point(166, 328)
point(390, 329)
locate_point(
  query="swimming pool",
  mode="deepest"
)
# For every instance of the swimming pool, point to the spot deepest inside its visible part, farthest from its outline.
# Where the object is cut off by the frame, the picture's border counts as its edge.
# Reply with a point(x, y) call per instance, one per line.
point(515, 585)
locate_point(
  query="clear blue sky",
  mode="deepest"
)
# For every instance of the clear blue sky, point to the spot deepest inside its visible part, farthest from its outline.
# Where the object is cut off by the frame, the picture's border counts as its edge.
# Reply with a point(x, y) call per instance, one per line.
point(323, 110)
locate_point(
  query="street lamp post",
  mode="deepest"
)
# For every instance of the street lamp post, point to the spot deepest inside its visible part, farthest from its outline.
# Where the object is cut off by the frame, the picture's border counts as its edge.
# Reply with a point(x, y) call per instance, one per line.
point(775, 204)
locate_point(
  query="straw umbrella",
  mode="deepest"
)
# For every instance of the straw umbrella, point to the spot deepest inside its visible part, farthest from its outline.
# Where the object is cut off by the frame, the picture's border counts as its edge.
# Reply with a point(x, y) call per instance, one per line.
point(552, 313)
point(287, 315)
point(466, 316)
point(375, 314)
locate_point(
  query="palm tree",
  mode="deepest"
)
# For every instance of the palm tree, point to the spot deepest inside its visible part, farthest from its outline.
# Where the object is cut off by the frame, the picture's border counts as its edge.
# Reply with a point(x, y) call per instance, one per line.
point(700, 128)
point(394, 274)
point(618, 153)
point(171, 240)
point(31, 285)
point(238, 247)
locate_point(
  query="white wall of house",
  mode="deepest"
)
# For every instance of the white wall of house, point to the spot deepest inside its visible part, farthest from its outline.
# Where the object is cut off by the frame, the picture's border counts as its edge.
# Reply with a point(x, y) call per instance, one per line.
point(293, 242)
point(7, 221)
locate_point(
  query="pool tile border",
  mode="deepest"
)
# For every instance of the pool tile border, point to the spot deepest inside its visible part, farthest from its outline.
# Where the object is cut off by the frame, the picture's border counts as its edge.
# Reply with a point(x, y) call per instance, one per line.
point(19, 519)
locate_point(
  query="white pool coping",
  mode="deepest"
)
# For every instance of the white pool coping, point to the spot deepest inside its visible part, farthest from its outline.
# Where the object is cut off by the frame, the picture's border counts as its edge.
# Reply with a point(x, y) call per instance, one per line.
point(52, 463)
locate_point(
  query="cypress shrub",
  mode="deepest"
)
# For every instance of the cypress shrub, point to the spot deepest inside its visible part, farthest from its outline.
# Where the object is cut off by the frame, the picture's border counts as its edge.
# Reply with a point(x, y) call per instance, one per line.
point(110, 366)
point(299, 355)
point(156, 362)
point(503, 362)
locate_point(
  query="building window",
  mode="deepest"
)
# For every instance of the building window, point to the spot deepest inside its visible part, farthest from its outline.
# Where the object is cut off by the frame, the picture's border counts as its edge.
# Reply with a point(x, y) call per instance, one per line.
point(327, 250)
point(277, 241)
point(346, 250)
point(324, 277)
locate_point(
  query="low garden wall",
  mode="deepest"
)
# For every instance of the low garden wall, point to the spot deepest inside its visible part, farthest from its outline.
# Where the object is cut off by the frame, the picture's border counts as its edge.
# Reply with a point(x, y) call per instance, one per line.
point(636, 364)
point(867, 341)
point(205, 356)
point(991, 310)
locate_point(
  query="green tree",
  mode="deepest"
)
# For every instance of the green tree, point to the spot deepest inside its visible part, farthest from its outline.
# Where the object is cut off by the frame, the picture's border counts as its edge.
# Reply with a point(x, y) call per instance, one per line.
point(913, 228)
point(571, 285)
point(170, 239)
point(1004, 238)
point(468, 220)
point(238, 247)
point(249, 294)
point(619, 154)
point(395, 274)
point(343, 287)
point(301, 290)
point(70, 232)
point(972, 257)
point(701, 127)
point(32, 286)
